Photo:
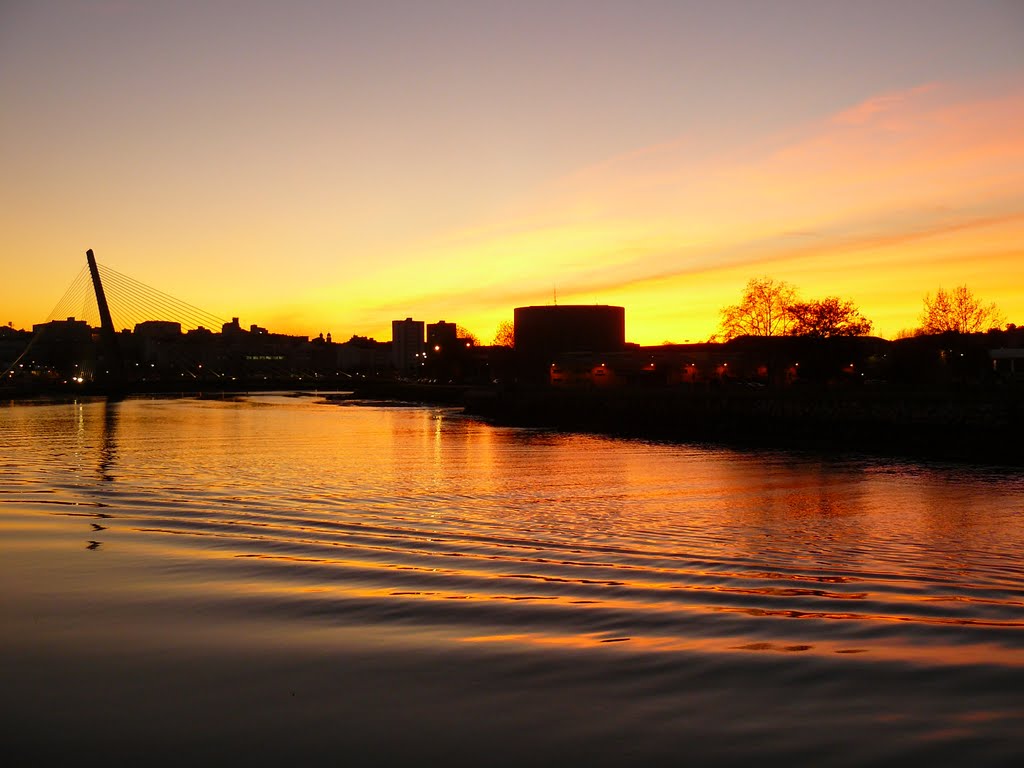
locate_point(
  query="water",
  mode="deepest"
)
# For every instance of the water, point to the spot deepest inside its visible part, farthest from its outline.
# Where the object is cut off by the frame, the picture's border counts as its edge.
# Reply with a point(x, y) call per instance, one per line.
point(279, 579)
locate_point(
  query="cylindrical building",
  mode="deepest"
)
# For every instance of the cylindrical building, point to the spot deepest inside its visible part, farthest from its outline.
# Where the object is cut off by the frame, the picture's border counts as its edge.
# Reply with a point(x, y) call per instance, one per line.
point(543, 333)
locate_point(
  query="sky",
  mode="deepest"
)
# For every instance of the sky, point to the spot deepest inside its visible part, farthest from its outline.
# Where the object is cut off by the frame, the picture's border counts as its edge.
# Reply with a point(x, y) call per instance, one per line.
point(331, 166)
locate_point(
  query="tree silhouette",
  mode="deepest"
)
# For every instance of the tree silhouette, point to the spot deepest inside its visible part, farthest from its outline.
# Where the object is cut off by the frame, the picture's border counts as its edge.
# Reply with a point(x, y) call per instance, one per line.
point(467, 335)
point(830, 316)
point(505, 336)
point(763, 310)
point(958, 311)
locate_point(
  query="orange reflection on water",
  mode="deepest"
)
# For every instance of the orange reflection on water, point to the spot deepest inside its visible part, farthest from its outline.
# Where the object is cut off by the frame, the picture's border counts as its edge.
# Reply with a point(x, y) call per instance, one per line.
point(421, 517)
point(896, 653)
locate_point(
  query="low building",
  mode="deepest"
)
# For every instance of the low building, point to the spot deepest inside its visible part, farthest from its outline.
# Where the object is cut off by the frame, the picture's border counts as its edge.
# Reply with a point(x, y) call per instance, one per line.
point(63, 348)
point(1008, 363)
point(363, 355)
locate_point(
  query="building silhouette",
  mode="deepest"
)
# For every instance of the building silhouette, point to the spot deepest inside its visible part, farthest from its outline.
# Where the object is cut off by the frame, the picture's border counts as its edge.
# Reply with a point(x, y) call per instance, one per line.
point(407, 345)
point(546, 333)
point(441, 336)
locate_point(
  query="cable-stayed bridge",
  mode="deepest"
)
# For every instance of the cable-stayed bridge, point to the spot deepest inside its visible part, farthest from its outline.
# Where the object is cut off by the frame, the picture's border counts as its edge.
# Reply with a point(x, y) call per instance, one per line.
point(129, 301)
point(110, 333)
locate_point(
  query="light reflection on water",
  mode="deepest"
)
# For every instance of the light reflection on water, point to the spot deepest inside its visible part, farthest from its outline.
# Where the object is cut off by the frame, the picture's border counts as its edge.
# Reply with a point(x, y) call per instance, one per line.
point(860, 597)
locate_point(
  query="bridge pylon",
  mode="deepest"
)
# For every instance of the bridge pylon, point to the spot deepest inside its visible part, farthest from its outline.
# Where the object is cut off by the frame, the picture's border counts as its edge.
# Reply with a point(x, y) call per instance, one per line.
point(110, 370)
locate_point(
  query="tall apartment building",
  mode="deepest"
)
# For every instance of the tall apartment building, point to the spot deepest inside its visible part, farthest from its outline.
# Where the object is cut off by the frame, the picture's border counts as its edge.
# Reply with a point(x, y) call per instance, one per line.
point(406, 344)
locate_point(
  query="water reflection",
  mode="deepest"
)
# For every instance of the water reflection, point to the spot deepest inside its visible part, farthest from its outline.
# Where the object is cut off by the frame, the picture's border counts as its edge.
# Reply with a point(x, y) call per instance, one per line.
point(108, 438)
point(420, 528)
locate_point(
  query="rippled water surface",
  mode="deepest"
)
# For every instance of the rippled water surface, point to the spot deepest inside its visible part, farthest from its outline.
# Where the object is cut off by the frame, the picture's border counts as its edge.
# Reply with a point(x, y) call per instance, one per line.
point(278, 578)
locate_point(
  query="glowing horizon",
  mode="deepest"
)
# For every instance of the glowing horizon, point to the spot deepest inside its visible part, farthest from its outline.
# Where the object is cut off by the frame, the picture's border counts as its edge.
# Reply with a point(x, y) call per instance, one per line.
point(334, 188)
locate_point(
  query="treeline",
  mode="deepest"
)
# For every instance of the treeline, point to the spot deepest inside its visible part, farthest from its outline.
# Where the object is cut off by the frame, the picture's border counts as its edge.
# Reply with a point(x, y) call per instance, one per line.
point(771, 307)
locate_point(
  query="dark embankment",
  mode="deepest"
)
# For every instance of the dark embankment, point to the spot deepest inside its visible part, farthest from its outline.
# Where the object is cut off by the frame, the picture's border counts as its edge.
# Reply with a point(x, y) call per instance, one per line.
point(413, 392)
point(968, 426)
point(70, 390)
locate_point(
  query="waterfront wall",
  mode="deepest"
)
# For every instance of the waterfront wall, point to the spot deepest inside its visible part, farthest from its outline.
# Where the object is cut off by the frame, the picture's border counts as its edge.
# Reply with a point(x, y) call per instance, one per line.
point(979, 425)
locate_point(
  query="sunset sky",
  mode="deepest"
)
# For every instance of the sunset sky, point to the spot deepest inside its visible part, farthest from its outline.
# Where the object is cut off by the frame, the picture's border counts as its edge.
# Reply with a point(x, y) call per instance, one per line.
point(331, 166)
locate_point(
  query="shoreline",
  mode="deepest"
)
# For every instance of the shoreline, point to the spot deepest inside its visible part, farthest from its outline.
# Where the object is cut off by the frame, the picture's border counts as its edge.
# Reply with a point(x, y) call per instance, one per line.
point(984, 427)
point(979, 426)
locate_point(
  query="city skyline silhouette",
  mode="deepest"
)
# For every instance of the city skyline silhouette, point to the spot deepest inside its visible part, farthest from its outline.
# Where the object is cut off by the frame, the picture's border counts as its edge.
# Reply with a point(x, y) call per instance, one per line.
point(340, 165)
point(491, 383)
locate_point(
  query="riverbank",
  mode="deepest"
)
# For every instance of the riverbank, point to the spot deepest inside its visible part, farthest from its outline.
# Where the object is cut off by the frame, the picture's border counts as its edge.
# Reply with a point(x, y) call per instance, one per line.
point(985, 426)
point(971, 426)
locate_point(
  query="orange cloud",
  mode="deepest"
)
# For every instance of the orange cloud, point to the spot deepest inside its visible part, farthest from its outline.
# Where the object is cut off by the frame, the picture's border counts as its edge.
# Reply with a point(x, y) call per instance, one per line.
point(913, 189)
point(880, 106)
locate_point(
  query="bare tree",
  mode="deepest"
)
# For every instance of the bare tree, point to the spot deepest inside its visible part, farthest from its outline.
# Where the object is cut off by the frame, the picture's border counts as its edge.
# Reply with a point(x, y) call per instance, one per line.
point(467, 335)
point(763, 310)
point(505, 336)
point(958, 311)
point(830, 316)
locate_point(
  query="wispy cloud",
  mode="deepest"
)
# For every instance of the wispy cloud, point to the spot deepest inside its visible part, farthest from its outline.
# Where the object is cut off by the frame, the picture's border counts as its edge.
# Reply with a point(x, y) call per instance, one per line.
point(879, 107)
point(891, 175)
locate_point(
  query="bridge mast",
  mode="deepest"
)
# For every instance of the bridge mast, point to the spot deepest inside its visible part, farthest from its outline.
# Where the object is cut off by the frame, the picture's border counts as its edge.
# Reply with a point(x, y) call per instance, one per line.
point(108, 338)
